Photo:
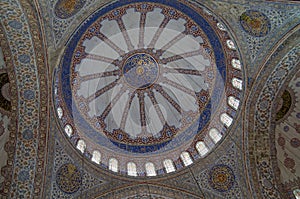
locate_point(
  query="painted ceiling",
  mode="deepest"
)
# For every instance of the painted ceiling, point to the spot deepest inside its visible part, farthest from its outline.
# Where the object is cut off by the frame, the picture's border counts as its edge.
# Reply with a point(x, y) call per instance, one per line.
point(149, 99)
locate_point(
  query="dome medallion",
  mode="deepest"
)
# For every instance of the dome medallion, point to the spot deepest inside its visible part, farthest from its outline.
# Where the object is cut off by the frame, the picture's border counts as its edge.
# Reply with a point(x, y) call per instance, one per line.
point(148, 87)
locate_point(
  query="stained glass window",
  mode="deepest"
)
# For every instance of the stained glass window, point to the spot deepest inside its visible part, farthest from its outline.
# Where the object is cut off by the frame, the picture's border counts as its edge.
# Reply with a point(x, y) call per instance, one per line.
point(169, 166)
point(131, 169)
point(150, 169)
point(237, 83)
point(201, 148)
point(81, 146)
point(221, 26)
point(233, 102)
point(296, 193)
point(96, 157)
point(226, 119)
point(230, 44)
point(186, 158)
point(215, 135)
point(59, 112)
point(68, 130)
point(113, 164)
point(236, 64)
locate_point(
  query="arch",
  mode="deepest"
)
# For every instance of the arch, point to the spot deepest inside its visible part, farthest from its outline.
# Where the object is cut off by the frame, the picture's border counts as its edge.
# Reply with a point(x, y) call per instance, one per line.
point(233, 102)
point(169, 165)
point(150, 169)
point(226, 119)
point(113, 164)
point(131, 169)
point(259, 120)
point(96, 157)
point(81, 146)
point(201, 148)
point(215, 135)
point(237, 83)
point(186, 158)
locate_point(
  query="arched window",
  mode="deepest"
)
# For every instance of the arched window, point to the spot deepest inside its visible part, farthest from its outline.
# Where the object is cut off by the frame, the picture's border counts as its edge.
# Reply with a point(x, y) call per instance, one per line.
point(186, 158)
point(233, 102)
point(60, 112)
point(221, 26)
point(81, 146)
point(226, 119)
point(296, 193)
point(230, 44)
point(237, 83)
point(215, 135)
point(68, 130)
point(113, 164)
point(96, 157)
point(150, 169)
point(131, 169)
point(169, 166)
point(236, 64)
point(201, 148)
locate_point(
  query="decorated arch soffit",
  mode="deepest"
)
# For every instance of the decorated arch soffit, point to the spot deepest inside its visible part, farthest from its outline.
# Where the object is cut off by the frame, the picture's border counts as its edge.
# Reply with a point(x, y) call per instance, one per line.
point(286, 112)
point(27, 72)
point(8, 102)
point(260, 145)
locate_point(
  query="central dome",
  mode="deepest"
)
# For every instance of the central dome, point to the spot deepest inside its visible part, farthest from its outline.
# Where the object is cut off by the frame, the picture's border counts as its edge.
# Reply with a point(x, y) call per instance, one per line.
point(145, 82)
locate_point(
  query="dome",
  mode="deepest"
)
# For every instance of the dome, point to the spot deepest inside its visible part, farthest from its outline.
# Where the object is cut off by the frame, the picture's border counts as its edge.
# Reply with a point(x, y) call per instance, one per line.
point(146, 88)
point(127, 99)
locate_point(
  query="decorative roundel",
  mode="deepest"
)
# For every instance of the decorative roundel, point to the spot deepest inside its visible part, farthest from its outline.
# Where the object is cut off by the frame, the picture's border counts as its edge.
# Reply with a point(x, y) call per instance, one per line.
point(67, 8)
point(140, 70)
point(221, 178)
point(68, 178)
point(255, 23)
point(295, 142)
point(141, 85)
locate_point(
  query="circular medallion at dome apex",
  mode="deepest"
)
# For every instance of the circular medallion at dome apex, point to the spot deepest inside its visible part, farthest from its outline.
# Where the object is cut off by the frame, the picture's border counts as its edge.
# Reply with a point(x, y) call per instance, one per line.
point(140, 70)
point(146, 81)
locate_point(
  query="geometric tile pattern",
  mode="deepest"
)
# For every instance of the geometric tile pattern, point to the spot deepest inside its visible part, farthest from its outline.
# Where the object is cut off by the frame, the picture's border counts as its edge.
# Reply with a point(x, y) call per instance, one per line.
point(27, 134)
point(68, 177)
point(28, 137)
point(287, 137)
point(221, 178)
point(259, 139)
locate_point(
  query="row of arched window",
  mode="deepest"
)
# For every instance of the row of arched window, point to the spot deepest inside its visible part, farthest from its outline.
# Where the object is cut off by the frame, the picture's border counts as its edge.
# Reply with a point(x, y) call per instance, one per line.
point(168, 164)
point(237, 83)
